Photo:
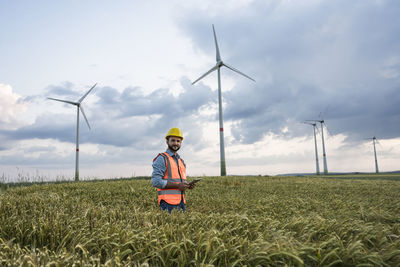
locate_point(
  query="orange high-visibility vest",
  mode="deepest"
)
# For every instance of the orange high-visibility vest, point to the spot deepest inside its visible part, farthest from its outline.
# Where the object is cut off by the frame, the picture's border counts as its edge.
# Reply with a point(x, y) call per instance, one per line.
point(173, 173)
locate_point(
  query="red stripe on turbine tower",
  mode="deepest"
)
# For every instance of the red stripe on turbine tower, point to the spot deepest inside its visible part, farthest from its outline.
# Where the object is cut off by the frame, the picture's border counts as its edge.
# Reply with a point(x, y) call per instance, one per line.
point(221, 129)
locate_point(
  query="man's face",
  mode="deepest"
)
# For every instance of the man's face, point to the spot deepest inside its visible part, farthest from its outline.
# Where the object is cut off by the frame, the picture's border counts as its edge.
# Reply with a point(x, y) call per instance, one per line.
point(174, 143)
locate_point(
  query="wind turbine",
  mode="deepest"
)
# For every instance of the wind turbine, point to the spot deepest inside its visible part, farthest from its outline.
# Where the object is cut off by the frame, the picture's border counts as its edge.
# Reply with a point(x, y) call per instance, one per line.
point(315, 143)
point(78, 107)
point(323, 144)
point(217, 67)
point(376, 159)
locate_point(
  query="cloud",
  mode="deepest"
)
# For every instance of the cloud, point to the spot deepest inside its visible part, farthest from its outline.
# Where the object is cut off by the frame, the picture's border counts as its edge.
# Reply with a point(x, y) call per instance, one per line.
point(391, 68)
point(334, 58)
point(56, 126)
point(65, 89)
point(133, 101)
point(122, 119)
point(339, 58)
point(11, 106)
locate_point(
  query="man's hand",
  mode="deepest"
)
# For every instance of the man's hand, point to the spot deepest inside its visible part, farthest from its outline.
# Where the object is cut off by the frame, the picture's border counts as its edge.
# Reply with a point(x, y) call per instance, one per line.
point(190, 185)
point(180, 186)
point(183, 186)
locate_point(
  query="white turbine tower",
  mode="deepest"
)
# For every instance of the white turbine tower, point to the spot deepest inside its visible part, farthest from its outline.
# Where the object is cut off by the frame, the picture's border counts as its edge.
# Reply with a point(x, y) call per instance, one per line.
point(374, 140)
point(323, 144)
point(218, 66)
point(78, 107)
point(315, 144)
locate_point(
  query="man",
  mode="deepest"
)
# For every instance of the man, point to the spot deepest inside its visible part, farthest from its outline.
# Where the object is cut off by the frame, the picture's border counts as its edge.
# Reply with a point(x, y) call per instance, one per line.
point(169, 174)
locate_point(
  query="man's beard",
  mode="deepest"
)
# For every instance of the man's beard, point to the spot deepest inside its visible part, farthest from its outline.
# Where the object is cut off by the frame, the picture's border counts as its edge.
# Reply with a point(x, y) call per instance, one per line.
point(172, 149)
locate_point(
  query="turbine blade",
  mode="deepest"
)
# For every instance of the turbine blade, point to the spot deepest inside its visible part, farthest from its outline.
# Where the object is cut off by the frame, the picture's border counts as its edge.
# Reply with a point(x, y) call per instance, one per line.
point(322, 114)
point(83, 113)
point(218, 56)
point(205, 74)
point(83, 97)
point(316, 127)
point(65, 101)
point(379, 143)
point(326, 127)
point(235, 70)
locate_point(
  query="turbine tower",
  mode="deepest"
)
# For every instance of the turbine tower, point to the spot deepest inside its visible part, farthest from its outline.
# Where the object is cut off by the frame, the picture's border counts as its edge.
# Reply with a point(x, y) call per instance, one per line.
point(323, 146)
point(217, 67)
point(376, 159)
point(323, 143)
point(78, 107)
point(315, 144)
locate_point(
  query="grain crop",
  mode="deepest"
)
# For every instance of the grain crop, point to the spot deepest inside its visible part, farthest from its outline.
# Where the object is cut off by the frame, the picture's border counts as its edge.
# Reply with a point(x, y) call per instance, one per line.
point(230, 221)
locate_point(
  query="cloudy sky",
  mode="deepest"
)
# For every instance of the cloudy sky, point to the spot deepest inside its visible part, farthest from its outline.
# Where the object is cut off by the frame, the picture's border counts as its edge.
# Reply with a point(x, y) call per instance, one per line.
point(312, 59)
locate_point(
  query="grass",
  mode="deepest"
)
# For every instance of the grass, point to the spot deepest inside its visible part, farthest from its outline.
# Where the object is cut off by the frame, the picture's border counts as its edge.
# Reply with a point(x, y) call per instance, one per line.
point(297, 221)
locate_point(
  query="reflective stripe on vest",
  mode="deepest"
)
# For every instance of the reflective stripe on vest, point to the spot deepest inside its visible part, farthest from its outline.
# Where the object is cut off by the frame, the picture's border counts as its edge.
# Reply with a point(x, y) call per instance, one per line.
point(169, 192)
point(174, 173)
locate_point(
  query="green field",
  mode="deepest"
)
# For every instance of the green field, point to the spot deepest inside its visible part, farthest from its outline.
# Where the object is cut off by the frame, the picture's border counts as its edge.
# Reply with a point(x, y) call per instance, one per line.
point(310, 221)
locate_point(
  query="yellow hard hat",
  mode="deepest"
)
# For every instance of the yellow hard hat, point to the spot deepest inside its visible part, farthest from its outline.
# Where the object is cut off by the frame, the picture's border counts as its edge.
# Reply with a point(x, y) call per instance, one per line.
point(174, 132)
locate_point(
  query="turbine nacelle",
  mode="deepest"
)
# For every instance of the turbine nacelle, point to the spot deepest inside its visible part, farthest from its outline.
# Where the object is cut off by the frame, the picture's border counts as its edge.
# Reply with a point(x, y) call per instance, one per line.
point(220, 63)
point(320, 121)
point(78, 104)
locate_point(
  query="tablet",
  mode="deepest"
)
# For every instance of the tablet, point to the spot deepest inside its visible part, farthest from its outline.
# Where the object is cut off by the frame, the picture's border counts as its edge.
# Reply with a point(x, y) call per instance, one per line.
point(194, 181)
